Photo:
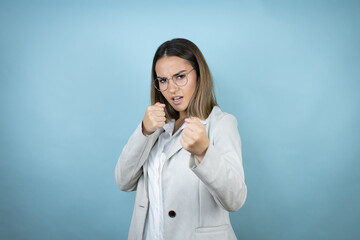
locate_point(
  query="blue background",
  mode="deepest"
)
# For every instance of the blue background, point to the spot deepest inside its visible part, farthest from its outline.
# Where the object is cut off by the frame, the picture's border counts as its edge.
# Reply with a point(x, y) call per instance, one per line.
point(75, 79)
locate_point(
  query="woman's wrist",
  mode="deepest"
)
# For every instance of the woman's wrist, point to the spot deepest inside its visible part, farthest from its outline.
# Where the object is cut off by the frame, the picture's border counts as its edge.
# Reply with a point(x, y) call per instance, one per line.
point(201, 156)
point(144, 132)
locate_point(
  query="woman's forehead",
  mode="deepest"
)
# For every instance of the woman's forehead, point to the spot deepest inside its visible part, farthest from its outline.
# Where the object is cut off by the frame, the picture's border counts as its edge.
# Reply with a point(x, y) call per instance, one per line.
point(167, 66)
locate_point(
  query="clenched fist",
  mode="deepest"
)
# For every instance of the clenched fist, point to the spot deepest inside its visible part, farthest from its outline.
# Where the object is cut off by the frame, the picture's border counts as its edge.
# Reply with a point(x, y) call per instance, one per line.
point(154, 118)
point(194, 138)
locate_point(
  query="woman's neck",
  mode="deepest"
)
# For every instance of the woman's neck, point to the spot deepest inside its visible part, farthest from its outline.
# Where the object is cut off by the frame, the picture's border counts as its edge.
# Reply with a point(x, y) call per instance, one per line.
point(178, 123)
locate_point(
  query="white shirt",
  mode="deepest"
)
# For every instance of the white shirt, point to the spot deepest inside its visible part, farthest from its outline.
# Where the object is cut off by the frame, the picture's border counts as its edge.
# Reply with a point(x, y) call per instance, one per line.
point(154, 224)
point(154, 221)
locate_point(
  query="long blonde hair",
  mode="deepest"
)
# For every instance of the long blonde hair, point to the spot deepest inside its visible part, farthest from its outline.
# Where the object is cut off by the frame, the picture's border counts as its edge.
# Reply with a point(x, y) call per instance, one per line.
point(203, 100)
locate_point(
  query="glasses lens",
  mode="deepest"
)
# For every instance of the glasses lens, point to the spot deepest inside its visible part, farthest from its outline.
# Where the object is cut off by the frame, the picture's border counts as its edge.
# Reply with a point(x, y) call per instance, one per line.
point(160, 84)
point(180, 80)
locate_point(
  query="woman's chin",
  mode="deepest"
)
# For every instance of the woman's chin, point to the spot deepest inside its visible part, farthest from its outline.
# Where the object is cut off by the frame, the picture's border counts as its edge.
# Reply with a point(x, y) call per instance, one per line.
point(179, 109)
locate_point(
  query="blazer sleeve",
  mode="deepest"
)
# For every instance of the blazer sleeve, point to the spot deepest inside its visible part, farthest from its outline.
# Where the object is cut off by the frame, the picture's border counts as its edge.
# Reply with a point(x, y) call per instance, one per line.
point(129, 165)
point(221, 170)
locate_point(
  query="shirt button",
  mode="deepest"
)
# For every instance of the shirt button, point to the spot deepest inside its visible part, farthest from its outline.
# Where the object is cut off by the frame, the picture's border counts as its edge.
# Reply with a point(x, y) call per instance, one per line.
point(172, 214)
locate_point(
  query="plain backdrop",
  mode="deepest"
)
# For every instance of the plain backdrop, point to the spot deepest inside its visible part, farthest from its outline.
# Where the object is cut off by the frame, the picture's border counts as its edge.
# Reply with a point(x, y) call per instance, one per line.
point(75, 78)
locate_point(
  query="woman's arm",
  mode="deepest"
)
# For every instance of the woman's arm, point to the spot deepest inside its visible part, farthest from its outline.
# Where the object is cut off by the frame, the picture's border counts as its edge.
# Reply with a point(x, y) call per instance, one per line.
point(221, 169)
point(129, 166)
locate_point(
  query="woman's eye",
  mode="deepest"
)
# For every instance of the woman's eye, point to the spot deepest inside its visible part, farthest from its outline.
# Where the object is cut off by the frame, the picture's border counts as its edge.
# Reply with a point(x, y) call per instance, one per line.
point(161, 80)
point(179, 77)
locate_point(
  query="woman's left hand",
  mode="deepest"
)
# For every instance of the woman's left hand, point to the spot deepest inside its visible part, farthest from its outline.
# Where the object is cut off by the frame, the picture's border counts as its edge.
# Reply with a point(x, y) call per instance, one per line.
point(194, 138)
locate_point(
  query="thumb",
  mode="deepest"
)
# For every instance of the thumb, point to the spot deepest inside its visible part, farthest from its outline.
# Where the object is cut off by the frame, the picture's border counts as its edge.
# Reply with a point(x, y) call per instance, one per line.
point(192, 120)
point(188, 120)
point(160, 104)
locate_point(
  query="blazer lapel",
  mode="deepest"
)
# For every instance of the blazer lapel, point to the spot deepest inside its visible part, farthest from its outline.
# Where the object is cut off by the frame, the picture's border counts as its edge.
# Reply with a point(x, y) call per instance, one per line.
point(174, 149)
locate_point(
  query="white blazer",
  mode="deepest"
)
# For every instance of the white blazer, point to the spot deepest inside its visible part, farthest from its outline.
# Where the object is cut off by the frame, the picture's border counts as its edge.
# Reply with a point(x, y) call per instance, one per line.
point(197, 199)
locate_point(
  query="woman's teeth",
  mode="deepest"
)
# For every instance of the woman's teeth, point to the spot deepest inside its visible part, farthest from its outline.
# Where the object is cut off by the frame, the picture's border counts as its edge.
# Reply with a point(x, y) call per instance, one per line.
point(177, 100)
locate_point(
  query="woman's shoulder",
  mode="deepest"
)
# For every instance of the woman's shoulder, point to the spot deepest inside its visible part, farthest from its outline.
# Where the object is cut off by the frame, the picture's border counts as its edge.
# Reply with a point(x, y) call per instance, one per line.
point(217, 115)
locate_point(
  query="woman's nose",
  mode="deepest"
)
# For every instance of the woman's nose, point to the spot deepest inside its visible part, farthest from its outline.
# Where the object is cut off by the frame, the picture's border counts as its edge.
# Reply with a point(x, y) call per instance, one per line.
point(172, 87)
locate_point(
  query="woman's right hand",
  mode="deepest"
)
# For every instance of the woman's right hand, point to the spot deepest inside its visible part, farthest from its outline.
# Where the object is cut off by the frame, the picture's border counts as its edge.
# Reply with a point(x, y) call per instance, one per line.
point(154, 118)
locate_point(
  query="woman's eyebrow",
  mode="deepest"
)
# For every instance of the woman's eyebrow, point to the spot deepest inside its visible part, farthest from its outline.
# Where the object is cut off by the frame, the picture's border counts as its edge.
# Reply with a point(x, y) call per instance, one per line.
point(174, 74)
point(179, 72)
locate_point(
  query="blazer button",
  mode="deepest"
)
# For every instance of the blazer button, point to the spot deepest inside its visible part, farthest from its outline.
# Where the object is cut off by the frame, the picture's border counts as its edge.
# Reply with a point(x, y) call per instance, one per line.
point(172, 214)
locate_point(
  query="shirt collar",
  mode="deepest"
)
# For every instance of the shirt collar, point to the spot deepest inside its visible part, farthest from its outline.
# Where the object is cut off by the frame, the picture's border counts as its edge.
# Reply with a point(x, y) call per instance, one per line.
point(203, 121)
point(169, 127)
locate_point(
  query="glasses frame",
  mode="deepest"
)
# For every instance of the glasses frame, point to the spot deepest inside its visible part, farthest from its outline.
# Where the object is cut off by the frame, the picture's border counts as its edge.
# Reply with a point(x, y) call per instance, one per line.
point(156, 81)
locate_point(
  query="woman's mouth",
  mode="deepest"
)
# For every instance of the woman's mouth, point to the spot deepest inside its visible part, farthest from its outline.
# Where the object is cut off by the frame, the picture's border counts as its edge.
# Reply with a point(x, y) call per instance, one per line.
point(177, 100)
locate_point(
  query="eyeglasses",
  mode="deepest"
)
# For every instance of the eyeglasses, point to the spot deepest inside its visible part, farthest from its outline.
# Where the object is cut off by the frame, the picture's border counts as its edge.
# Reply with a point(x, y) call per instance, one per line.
point(180, 80)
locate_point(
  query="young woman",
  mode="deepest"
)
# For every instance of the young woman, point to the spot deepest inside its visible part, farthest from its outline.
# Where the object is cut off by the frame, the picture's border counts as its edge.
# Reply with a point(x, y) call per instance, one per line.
point(184, 159)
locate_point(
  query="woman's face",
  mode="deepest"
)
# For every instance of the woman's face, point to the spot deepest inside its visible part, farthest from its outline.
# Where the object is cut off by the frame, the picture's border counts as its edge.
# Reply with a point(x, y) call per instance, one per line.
point(178, 97)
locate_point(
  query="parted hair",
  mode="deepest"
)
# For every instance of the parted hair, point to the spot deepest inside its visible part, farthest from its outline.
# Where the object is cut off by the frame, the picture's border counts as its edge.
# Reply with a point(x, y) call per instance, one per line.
point(203, 100)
